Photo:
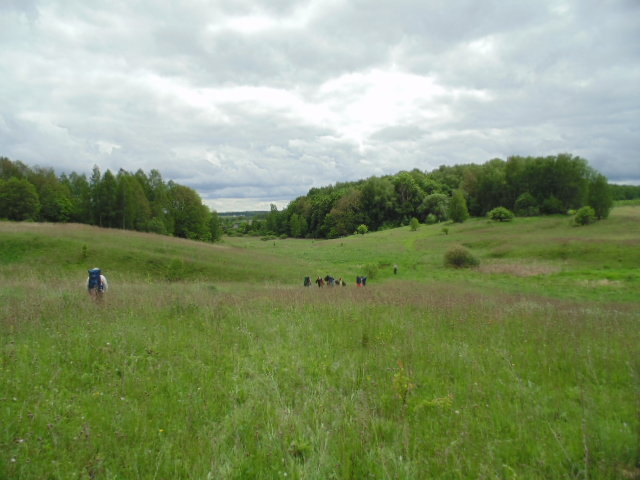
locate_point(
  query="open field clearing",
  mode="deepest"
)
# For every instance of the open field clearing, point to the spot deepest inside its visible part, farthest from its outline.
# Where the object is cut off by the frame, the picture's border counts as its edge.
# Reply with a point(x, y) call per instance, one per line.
point(212, 361)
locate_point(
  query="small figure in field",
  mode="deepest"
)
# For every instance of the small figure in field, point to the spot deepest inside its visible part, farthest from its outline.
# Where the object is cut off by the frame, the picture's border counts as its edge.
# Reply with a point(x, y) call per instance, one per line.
point(96, 284)
point(307, 282)
point(395, 269)
point(341, 282)
point(359, 281)
point(320, 282)
point(329, 280)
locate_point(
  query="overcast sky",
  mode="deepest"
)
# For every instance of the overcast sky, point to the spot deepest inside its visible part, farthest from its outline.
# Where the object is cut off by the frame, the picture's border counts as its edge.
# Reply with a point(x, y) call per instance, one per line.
point(253, 102)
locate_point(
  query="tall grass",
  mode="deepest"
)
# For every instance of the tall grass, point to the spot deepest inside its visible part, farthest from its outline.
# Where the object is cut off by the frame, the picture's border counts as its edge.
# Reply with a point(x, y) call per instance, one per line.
point(194, 383)
point(458, 375)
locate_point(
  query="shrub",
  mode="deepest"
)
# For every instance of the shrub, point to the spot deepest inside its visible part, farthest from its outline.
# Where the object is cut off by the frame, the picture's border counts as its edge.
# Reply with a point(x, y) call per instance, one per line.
point(552, 205)
point(371, 270)
point(460, 257)
point(431, 219)
point(526, 205)
point(362, 229)
point(501, 214)
point(414, 224)
point(585, 216)
point(156, 225)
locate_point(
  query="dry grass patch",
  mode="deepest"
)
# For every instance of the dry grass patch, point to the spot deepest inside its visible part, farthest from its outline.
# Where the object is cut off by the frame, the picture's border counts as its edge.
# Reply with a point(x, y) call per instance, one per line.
point(520, 269)
point(602, 282)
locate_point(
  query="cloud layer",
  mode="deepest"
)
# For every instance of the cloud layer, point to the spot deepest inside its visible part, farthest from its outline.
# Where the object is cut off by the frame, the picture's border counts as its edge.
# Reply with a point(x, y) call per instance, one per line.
point(254, 102)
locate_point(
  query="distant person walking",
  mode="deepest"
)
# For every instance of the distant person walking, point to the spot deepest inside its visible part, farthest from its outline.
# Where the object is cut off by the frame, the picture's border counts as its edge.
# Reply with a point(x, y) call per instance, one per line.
point(395, 269)
point(97, 283)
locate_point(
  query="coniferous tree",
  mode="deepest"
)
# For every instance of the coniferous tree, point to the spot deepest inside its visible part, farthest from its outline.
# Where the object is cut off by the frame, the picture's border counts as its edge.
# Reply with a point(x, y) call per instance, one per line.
point(107, 201)
point(80, 193)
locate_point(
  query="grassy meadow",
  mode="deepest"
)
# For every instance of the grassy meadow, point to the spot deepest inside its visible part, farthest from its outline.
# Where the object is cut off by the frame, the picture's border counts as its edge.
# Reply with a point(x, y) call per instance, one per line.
point(214, 362)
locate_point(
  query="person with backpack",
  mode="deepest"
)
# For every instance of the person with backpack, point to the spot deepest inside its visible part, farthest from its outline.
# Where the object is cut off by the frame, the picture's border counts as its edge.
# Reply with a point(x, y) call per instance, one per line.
point(96, 283)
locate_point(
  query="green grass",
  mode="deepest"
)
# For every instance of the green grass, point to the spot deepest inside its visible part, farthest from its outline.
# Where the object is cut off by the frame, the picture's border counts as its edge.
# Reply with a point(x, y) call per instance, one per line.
point(529, 368)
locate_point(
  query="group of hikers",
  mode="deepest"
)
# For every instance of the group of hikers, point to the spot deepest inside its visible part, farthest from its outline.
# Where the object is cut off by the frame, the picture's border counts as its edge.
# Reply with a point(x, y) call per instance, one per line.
point(330, 281)
point(97, 283)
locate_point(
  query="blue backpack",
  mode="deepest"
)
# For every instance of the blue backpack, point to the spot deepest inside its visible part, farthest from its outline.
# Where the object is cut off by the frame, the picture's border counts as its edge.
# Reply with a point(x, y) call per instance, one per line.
point(94, 279)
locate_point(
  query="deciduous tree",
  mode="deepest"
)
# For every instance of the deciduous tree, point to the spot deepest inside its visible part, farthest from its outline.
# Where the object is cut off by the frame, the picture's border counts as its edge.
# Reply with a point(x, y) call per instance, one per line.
point(18, 200)
point(458, 207)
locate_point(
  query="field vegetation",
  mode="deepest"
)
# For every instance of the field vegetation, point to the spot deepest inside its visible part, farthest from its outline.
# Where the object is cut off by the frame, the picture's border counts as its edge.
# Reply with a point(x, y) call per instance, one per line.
point(212, 361)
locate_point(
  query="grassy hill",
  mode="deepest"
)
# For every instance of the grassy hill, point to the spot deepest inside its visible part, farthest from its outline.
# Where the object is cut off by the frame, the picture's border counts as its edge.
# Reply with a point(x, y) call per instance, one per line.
point(212, 361)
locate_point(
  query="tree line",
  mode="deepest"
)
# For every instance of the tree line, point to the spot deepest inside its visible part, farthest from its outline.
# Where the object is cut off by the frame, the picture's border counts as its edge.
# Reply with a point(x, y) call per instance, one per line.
point(526, 186)
point(132, 201)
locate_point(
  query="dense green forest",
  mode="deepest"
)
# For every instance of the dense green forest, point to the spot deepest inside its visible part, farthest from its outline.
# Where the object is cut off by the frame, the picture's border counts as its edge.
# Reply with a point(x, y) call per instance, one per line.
point(526, 186)
point(133, 201)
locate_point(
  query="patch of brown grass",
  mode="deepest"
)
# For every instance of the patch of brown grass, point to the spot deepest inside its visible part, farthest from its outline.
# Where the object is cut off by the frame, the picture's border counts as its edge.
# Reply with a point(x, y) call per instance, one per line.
point(519, 269)
point(603, 282)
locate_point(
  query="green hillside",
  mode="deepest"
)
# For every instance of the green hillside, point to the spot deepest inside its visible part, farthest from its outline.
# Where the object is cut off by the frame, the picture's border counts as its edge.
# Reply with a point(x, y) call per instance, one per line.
point(213, 361)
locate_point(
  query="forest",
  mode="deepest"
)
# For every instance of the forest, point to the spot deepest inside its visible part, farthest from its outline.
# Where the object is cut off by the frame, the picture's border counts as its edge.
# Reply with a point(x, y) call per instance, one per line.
point(131, 201)
point(526, 186)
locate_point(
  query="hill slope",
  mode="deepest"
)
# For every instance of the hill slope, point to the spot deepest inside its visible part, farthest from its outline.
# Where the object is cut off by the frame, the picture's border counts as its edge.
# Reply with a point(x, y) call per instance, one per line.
point(212, 361)
point(546, 255)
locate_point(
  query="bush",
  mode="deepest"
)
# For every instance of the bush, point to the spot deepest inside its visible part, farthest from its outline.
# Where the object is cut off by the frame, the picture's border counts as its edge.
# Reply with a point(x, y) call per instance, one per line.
point(371, 270)
point(155, 225)
point(552, 205)
point(527, 206)
point(431, 219)
point(414, 224)
point(460, 257)
point(501, 214)
point(362, 229)
point(585, 216)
